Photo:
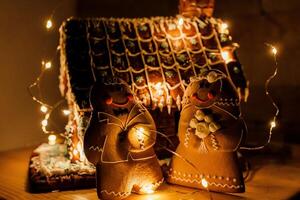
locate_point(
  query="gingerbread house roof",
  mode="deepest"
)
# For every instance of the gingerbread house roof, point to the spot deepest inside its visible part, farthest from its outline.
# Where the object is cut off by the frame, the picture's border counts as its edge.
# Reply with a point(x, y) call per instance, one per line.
point(144, 52)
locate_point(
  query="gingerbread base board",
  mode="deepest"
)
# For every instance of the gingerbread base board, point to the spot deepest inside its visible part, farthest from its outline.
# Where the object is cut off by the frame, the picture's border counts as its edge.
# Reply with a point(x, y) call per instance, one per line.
point(50, 170)
point(39, 183)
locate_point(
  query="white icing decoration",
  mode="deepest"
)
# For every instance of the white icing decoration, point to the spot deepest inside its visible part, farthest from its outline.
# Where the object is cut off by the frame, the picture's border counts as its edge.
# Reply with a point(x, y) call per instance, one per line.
point(193, 123)
point(213, 127)
point(202, 130)
point(199, 115)
point(116, 194)
point(208, 118)
point(53, 160)
point(212, 77)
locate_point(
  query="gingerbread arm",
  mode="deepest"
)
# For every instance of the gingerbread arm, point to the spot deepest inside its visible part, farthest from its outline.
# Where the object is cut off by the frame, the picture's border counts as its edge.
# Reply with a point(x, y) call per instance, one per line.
point(95, 138)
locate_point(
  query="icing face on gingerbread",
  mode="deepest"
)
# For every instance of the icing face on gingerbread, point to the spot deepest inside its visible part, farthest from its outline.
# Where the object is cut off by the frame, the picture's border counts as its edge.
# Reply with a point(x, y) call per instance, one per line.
point(114, 98)
point(204, 91)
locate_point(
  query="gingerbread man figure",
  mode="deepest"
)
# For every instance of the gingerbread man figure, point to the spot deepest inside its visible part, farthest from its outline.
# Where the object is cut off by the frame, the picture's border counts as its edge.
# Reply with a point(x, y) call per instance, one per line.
point(210, 132)
point(119, 142)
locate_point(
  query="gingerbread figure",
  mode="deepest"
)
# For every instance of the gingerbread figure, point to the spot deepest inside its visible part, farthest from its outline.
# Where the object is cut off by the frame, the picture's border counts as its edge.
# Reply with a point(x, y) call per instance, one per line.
point(119, 142)
point(210, 132)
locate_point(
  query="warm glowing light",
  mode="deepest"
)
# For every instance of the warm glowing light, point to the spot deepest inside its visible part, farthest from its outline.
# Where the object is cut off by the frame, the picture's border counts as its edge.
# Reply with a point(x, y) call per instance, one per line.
point(44, 109)
point(49, 24)
point(48, 65)
point(52, 139)
point(225, 55)
point(204, 183)
point(140, 132)
point(45, 122)
point(75, 152)
point(274, 51)
point(180, 21)
point(149, 198)
point(273, 124)
point(66, 112)
point(147, 189)
point(159, 89)
point(223, 28)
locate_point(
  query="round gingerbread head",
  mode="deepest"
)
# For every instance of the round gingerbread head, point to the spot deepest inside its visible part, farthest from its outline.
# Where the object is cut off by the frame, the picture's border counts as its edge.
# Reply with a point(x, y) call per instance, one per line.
point(205, 90)
point(111, 96)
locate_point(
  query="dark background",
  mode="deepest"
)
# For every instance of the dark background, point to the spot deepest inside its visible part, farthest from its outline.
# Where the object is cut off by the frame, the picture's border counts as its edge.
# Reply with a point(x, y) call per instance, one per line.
point(24, 42)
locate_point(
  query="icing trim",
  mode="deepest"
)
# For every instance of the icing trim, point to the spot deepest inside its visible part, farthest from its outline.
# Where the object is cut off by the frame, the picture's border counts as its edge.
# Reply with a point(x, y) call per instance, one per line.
point(116, 194)
point(158, 183)
point(187, 180)
point(214, 141)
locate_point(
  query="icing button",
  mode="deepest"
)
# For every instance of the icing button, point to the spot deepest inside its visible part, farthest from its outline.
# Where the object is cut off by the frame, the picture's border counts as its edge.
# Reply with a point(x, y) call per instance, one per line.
point(208, 118)
point(193, 123)
point(213, 127)
point(199, 115)
point(212, 77)
point(202, 130)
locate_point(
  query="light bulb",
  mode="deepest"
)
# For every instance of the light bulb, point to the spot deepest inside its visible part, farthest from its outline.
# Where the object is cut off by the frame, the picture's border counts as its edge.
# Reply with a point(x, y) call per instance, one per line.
point(66, 112)
point(44, 122)
point(180, 21)
point(223, 28)
point(49, 24)
point(148, 189)
point(204, 183)
point(75, 152)
point(274, 51)
point(225, 55)
point(273, 124)
point(140, 132)
point(44, 109)
point(51, 139)
point(159, 89)
point(48, 65)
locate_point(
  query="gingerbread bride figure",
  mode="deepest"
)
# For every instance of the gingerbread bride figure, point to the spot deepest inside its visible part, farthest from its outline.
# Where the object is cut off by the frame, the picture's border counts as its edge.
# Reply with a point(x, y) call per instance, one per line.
point(210, 133)
point(119, 142)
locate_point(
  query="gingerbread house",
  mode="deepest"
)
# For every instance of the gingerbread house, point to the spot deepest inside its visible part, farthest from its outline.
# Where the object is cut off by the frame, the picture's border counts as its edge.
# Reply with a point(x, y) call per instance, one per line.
point(155, 56)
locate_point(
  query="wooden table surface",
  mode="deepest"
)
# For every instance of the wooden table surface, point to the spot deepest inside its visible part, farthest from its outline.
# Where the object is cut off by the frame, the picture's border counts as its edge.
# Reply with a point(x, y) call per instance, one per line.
point(272, 177)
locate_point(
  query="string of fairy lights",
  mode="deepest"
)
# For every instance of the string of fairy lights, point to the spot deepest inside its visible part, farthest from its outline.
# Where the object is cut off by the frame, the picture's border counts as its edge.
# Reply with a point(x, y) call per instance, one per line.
point(47, 109)
point(273, 122)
